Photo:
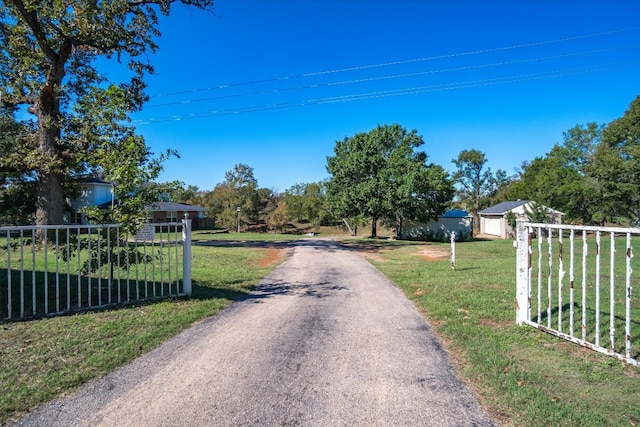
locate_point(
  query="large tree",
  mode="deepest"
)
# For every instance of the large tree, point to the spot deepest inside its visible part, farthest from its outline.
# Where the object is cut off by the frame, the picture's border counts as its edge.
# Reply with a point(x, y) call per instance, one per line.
point(48, 56)
point(379, 174)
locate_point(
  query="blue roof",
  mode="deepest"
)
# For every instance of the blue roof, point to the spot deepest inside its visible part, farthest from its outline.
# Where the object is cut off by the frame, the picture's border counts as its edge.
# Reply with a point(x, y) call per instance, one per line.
point(455, 213)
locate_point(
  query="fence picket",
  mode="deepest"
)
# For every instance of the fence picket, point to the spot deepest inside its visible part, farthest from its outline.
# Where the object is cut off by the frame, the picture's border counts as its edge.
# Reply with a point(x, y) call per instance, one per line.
point(599, 309)
point(107, 268)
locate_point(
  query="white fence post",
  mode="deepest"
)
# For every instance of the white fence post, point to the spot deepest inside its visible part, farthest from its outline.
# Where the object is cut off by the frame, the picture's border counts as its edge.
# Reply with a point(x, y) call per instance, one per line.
point(453, 250)
point(522, 268)
point(186, 254)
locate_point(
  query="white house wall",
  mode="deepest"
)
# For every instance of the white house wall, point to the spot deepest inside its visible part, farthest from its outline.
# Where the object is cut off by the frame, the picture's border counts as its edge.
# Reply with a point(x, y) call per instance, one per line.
point(92, 194)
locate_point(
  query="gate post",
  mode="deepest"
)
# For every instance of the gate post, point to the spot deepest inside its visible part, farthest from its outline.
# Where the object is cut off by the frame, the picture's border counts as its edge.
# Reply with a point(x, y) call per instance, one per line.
point(186, 254)
point(522, 272)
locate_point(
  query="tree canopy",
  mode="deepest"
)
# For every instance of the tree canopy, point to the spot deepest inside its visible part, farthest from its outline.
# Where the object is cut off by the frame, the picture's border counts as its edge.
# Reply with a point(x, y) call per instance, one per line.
point(48, 56)
point(379, 174)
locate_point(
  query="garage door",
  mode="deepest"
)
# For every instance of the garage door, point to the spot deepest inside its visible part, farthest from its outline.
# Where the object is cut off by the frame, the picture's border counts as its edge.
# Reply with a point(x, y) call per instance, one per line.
point(492, 226)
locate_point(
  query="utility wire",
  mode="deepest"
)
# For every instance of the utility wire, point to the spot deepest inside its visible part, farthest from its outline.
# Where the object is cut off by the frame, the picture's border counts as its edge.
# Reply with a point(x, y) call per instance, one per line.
point(388, 93)
point(378, 78)
point(401, 62)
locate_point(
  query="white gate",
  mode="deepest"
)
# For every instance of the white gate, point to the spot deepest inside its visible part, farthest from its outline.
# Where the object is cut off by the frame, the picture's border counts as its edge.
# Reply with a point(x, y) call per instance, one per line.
point(50, 270)
point(583, 292)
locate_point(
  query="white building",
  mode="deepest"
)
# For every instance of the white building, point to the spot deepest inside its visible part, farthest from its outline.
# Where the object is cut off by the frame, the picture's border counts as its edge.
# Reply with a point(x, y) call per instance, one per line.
point(453, 220)
point(493, 220)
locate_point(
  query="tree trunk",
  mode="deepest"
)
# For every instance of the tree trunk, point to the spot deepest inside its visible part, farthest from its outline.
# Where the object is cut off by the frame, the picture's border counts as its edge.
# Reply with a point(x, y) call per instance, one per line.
point(351, 231)
point(374, 228)
point(50, 198)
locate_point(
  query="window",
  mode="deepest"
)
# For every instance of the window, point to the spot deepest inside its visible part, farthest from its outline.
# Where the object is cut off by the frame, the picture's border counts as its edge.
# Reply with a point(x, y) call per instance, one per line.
point(172, 216)
point(75, 218)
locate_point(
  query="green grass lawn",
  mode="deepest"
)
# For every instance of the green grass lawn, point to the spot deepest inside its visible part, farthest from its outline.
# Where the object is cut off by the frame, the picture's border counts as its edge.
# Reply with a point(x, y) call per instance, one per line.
point(522, 376)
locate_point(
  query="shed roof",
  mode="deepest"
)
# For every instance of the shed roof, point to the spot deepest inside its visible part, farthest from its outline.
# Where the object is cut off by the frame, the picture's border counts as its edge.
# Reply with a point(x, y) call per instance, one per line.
point(455, 213)
point(502, 208)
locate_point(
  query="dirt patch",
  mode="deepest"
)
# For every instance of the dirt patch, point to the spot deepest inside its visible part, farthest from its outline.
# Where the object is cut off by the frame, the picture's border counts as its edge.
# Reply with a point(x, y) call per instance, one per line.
point(271, 257)
point(372, 255)
point(431, 253)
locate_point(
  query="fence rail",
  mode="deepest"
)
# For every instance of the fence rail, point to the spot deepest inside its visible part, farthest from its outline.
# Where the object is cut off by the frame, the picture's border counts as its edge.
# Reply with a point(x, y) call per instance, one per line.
point(50, 270)
point(583, 292)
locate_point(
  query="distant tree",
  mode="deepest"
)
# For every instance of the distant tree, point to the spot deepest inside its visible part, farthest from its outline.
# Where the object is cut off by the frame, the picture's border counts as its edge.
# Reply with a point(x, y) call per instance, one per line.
point(476, 180)
point(278, 218)
point(238, 190)
point(538, 213)
point(185, 194)
point(49, 51)
point(307, 202)
point(294, 197)
point(379, 174)
point(315, 203)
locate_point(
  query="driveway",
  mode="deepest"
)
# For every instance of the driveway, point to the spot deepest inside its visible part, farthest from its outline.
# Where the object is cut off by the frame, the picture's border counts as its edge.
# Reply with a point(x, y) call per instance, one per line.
point(325, 340)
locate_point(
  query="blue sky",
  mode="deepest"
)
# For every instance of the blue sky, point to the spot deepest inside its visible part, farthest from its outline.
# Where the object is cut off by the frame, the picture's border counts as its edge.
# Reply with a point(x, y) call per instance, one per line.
point(275, 83)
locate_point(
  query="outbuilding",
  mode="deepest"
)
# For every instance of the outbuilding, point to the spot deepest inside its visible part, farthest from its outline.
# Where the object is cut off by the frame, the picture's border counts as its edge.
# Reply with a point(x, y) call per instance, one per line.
point(453, 220)
point(493, 220)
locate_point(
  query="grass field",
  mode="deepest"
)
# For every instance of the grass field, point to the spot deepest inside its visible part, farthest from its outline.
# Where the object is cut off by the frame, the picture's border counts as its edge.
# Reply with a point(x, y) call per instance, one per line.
point(522, 376)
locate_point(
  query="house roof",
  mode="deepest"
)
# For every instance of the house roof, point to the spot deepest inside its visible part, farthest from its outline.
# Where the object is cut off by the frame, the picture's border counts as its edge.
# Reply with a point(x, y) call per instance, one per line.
point(164, 207)
point(94, 180)
point(170, 206)
point(502, 208)
point(455, 213)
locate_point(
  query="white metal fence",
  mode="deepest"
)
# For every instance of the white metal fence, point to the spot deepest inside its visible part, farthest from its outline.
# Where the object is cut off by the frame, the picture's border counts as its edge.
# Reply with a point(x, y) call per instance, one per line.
point(49, 270)
point(577, 282)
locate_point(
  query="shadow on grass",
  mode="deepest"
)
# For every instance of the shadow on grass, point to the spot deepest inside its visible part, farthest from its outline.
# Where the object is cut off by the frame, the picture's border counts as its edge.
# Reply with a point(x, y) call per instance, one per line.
point(203, 292)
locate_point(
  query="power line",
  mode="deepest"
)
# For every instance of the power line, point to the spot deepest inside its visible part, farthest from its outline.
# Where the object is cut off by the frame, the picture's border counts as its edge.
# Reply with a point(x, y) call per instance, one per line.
point(379, 78)
point(400, 62)
point(387, 93)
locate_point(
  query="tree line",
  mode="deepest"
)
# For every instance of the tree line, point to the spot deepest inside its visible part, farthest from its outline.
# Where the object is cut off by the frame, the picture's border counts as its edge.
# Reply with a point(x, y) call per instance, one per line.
point(592, 176)
point(380, 177)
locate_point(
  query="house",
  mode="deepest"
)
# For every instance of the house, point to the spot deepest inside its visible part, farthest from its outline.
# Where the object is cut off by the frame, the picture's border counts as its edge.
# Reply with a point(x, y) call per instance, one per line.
point(174, 212)
point(453, 220)
point(493, 220)
point(96, 192)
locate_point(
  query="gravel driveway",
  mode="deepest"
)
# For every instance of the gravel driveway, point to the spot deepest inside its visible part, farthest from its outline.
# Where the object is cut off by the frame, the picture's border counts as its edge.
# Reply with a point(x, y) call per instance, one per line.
point(325, 340)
